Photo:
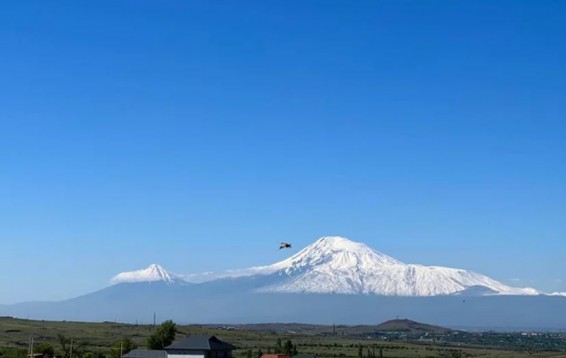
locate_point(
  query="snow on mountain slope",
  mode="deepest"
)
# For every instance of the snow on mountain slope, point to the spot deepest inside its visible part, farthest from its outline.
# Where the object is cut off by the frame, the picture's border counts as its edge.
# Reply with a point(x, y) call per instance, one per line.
point(337, 265)
point(153, 273)
point(336, 249)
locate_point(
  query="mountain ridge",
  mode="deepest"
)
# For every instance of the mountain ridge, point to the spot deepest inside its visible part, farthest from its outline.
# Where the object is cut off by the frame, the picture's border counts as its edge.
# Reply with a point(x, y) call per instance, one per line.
point(247, 296)
point(337, 265)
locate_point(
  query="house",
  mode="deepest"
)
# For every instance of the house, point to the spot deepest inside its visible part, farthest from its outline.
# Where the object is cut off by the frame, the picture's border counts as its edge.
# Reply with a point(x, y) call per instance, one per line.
point(200, 346)
point(193, 346)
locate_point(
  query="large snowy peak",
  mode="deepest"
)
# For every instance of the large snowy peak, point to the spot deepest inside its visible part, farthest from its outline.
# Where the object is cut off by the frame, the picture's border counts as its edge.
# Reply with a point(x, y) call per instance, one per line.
point(153, 273)
point(338, 265)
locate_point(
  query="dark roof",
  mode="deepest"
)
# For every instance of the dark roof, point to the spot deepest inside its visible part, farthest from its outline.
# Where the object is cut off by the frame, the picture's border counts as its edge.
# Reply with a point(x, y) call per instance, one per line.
point(144, 353)
point(198, 341)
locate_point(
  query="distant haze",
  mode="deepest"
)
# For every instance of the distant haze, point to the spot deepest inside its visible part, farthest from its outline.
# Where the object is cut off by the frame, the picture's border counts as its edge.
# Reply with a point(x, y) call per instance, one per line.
point(332, 280)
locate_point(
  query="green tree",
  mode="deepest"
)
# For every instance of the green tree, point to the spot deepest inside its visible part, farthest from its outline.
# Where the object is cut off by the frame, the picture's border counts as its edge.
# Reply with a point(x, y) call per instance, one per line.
point(360, 352)
point(278, 346)
point(122, 347)
point(259, 353)
point(70, 348)
point(95, 354)
point(288, 348)
point(77, 349)
point(163, 336)
point(14, 352)
point(46, 349)
point(65, 344)
point(249, 353)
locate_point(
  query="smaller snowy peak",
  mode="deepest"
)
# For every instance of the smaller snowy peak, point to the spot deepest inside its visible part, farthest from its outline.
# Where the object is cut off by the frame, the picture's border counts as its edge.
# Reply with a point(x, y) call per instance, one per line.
point(153, 273)
point(563, 294)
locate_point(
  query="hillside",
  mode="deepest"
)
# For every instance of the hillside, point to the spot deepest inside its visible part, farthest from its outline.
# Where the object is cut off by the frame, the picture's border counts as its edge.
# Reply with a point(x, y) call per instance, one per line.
point(406, 325)
point(396, 325)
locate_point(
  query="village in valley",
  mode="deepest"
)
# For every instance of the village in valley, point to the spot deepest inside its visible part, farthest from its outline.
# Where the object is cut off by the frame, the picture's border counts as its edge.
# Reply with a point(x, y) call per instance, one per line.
point(21, 338)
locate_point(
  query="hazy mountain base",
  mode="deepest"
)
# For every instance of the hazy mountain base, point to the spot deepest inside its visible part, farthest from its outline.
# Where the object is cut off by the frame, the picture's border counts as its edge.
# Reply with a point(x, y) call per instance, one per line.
point(226, 301)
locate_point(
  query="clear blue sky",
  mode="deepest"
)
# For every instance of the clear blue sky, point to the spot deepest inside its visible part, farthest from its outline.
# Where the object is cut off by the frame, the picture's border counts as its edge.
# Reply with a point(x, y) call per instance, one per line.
point(200, 134)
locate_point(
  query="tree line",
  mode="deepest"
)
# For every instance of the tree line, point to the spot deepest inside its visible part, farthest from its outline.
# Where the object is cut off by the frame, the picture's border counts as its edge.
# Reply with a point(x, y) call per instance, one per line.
point(287, 348)
point(66, 347)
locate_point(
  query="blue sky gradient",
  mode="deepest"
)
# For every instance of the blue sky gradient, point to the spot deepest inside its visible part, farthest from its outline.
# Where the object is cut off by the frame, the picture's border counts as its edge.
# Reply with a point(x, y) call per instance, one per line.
point(198, 135)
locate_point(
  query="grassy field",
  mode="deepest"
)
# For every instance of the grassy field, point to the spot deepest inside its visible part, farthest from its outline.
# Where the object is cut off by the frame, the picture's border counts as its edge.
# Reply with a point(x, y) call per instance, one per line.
point(98, 338)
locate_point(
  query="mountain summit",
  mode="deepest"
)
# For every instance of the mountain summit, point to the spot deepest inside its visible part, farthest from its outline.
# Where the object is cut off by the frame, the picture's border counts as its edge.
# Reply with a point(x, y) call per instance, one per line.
point(337, 265)
point(336, 252)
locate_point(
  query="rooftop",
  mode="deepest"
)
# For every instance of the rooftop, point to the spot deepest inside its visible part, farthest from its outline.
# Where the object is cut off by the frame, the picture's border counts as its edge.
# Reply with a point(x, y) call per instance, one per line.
point(201, 342)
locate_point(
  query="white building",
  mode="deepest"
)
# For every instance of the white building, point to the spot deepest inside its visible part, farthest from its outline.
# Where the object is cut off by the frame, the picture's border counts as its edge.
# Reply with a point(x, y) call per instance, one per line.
point(192, 346)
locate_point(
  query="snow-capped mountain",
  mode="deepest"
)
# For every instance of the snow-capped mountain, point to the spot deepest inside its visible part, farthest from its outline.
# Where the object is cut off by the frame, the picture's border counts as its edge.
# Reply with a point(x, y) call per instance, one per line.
point(338, 265)
point(153, 273)
point(370, 287)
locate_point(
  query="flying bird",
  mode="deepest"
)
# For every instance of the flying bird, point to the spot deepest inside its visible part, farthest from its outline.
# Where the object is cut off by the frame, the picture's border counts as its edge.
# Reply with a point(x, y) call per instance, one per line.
point(284, 245)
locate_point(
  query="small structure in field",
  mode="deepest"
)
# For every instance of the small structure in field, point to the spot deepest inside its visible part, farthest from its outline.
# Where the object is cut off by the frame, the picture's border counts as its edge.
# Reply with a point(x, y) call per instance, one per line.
point(200, 346)
point(192, 346)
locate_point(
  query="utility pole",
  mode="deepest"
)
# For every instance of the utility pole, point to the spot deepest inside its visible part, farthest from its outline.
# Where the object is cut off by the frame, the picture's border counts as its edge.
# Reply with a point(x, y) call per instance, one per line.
point(30, 348)
point(121, 347)
point(71, 351)
point(153, 319)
